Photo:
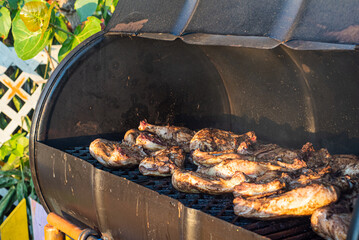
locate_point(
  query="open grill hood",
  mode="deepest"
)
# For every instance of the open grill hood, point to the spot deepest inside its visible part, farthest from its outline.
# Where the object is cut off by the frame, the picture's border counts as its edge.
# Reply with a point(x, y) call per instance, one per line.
point(180, 63)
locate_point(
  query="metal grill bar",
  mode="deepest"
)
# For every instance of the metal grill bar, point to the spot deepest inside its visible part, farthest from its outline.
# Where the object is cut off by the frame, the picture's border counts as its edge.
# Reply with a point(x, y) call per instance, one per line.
point(220, 206)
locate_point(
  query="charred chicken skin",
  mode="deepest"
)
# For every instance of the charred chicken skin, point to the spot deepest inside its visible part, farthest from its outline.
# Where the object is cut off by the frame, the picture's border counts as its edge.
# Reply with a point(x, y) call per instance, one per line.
point(192, 182)
point(130, 136)
point(333, 221)
point(114, 154)
point(174, 136)
point(228, 168)
point(210, 139)
point(301, 201)
point(163, 162)
point(285, 159)
point(150, 142)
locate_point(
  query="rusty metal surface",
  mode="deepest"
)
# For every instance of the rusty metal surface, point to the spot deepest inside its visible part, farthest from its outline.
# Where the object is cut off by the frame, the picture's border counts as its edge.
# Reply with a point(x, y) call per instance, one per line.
point(299, 24)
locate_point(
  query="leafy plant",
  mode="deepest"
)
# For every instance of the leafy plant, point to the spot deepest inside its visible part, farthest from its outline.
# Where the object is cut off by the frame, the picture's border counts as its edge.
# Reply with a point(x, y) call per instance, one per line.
point(37, 24)
point(15, 172)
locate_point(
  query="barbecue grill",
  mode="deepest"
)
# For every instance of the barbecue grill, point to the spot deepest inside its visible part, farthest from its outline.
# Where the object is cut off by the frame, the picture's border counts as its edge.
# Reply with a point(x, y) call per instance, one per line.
point(284, 69)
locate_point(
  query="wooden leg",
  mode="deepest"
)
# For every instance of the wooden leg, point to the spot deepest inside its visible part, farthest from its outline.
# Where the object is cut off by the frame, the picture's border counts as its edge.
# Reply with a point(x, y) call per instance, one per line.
point(52, 233)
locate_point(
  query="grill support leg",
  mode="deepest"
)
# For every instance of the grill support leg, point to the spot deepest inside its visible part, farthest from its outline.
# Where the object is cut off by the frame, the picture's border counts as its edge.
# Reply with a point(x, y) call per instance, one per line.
point(57, 226)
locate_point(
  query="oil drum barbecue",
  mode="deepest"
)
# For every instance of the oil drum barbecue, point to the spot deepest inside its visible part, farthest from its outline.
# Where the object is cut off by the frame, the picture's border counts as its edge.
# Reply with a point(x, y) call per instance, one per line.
point(285, 70)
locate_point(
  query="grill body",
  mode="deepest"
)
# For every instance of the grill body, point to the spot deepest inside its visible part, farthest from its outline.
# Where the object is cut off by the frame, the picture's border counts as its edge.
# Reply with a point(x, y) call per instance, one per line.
point(112, 81)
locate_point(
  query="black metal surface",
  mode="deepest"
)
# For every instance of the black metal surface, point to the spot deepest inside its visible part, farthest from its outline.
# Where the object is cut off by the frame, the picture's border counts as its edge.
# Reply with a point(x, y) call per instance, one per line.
point(314, 24)
point(220, 206)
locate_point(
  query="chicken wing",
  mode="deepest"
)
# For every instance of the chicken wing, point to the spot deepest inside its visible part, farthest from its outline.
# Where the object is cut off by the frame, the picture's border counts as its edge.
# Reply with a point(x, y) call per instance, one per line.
point(114, 154)
point(175, 136)
point(192, 182)
point(301, 201)
point(210, 139)
point(163, 162)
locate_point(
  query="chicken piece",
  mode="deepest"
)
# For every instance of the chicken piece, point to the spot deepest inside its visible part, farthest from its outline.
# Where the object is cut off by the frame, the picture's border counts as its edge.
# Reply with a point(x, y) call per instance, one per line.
point(150, 142)
point(255, 189)
point(130, 136)
point(163, 162)
point(330, 225)
point(289, 160)
point(175, 136)
point(301, 201)
point(210, 139)
point(228, 168)
point(209, 159)
point(347, 164)
point(114, 154)
point(192, 182)
point(333, 221)
point(274, 181)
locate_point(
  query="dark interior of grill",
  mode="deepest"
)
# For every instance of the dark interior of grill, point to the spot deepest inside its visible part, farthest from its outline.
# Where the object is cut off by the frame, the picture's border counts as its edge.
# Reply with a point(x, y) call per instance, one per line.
point(287, 97)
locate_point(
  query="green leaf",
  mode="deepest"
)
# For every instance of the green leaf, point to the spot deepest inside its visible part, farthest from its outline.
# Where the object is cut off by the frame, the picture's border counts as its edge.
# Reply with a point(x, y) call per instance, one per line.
point(7, 201)
point(85, 8)
point(5, 22)
point(21, 190)
point(33, 14)
point(27, 121)
point(15, 172)
point(47, 18)
point(28, 44)
point(92, 26)
point(13, 3)
point(11, 163)
point(17, 102)
point(7, 182)
point(59, 35)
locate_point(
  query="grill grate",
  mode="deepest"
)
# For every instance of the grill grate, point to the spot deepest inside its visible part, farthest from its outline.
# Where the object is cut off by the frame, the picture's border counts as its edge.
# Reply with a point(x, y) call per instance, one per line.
point(218, 206)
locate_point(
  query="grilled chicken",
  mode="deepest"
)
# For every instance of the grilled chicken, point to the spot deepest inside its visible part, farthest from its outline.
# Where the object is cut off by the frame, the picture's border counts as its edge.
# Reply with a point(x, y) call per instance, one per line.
point(130, 136)
point(150, 142)
point(192, 182)
point(114, 154)
point(228, 168)
point(210, 139)
point(273, 181)
point(209, 159)
point(333, 221)
point(163, 162)
point(288, 160)
point(301, 201)
point(258, 189)
point(330, 224)
point(174, 136)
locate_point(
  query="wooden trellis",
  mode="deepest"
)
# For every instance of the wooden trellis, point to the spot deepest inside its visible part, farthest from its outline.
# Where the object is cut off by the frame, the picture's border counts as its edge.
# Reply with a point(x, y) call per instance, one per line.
point(23, 81)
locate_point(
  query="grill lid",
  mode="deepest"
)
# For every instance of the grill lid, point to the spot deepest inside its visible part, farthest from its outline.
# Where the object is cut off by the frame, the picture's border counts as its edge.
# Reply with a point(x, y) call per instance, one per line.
point(299, 24)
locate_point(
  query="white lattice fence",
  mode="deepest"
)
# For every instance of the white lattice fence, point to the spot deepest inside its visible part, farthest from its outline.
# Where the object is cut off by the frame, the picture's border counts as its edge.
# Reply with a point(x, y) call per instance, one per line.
point(22, 80)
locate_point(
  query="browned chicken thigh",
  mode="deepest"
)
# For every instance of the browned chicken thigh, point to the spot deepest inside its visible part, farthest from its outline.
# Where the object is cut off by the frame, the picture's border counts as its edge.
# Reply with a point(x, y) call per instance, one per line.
point(192, 182)
point(211, 139)
point(114, 154)
point(163, 162)
point(301, 201)
point(228, 168)
point(174, 136)
point(150, 142)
